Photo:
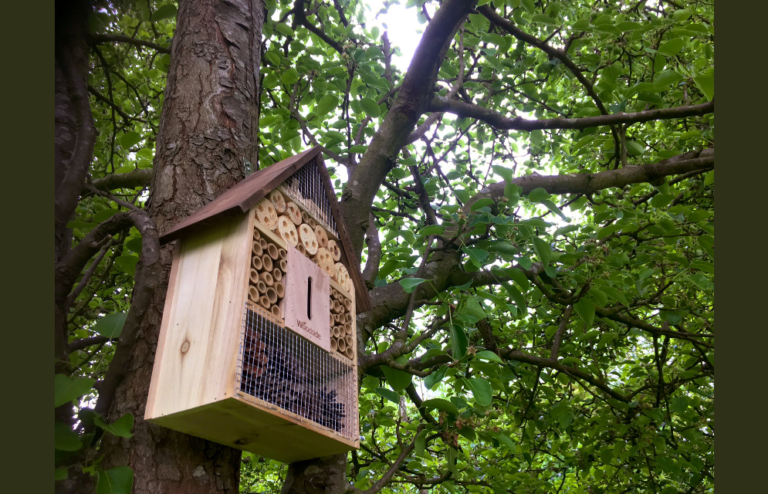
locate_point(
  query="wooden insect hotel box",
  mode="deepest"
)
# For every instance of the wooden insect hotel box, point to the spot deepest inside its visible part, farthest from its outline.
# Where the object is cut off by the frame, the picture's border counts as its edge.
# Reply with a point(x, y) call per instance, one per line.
point(257, 346)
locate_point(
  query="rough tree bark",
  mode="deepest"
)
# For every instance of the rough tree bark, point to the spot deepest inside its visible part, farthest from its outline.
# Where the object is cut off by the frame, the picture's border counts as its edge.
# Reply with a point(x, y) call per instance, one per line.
point(207, 134)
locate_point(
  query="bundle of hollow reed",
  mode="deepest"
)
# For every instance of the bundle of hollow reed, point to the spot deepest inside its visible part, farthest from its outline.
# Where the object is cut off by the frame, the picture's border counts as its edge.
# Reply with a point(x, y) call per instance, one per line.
point(342, 339)
point(266, 287)
point(274, 374)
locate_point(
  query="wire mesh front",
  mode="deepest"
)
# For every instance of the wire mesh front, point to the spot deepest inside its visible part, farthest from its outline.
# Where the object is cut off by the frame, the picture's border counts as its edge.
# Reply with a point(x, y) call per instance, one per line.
point(305, 187)
point(279, 367)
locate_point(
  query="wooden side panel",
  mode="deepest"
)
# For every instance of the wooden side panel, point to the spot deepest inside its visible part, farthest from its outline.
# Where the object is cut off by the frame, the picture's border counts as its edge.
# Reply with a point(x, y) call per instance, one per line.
point(264, 432)
point(308, 314)
point(193, 364)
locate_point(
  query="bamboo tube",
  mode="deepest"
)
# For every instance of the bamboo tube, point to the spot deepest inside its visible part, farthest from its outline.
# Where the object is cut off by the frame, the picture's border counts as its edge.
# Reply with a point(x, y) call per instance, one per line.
point(336, 332)
point(348, 305)
point(334, 345)
point(277, 274)
point(348, 340)
point(257, 250)
point(264, 301)
point(304, 217)
point(283, 254)
point(348, 318)
point(267, 262)
point(253, 294)
point(277, 312)
point(350, 354)
point(300, 247)
point(271, 295)
point(336, 306)
point(264, 243)
point(254, 276)
point(342, 345)
point(280, 289)
point(266, 277)
point(322, 237)
point(272, 250)
point(278, 201)
point(312, 222)
point(261, 286)
point(256, 235)
point(256, 263)
point(283, 265)
point(347, 329)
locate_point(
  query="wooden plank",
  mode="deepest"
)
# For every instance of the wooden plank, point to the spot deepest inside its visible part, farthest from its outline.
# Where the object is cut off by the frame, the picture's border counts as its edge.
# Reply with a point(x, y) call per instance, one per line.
point(160, 350)
point(244, 426)
point(313, 324)
point(193, 367)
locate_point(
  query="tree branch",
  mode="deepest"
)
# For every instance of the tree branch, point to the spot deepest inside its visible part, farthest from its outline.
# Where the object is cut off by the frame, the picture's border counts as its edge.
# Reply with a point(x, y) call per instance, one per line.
point(130, 180)
point(499, 121)
point(96, 39)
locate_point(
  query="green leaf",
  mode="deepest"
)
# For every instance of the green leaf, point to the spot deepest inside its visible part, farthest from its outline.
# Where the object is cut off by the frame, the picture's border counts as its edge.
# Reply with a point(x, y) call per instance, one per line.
point(66, 439)
point(111, 325)
point(420, 443)
point(506, 441)
point(635, 148)
point(481, 204)
point(399, 380)
point(709, 178)
point(489, 355)
point(129, 139)
point(66, 389)
point(458, 341)
point(477, 256)
point(543, 251)
point(519, 278)
point(661, 201)
point(165, 12)
point(706, 85)
point(127, 264)
point(370, 107)
point(431, 380)
point(409, 284)
point(516, 296)
point(440, 404)
point(473, 308)
point(529, 6)
point(505, 173)
point(285, 29)
point(672, 47)
point(326, 104)
point(389, 394)
point(586, 310)
point(553, 207)
point(118, 480)
point(120, 427)
point(512, 192)
point(61, 473)
point(481, 390)
point(432, 230)
point(664, 79)
point(615, 294)
point(290, 77)
point(538, 194)
point(545, 19)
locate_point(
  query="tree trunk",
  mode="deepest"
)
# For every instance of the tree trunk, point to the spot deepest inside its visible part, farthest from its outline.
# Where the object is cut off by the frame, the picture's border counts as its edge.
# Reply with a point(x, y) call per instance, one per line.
point(207, 134)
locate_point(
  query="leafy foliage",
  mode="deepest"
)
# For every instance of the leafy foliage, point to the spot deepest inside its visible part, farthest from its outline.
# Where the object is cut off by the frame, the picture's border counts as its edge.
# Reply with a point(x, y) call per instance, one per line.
point(619, 280)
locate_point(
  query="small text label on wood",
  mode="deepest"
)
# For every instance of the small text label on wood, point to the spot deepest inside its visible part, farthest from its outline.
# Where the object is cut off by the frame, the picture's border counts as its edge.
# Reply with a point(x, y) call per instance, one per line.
point(307, 300)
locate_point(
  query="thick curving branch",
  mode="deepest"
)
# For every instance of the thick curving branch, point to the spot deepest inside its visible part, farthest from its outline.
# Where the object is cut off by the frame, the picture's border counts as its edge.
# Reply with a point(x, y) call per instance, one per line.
point(97, 39)
point(411, 102)
point(501, 122)
point(130, 180)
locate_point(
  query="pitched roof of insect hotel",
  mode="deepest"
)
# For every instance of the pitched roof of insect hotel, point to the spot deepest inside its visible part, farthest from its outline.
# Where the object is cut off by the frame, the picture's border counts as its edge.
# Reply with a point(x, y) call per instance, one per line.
point(304, 177)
